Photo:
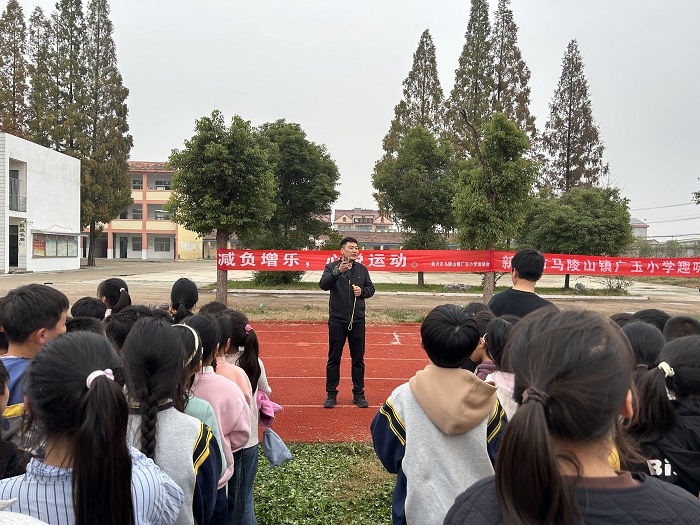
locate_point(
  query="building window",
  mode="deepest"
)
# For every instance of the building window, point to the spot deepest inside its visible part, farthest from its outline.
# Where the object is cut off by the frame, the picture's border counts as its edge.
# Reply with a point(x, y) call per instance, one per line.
point(124, 214)
point(137, 212)
point(162, 184)
point(162, 244)
point(136, 244)
point(162, 215)
point(137, 184)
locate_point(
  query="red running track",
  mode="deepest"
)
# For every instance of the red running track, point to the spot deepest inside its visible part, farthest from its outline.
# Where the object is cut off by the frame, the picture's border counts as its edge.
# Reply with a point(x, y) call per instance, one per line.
point(294, 354)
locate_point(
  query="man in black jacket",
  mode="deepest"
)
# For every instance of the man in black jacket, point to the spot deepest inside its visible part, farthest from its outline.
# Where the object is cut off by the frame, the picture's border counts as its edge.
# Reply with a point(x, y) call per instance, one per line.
point(349, 284)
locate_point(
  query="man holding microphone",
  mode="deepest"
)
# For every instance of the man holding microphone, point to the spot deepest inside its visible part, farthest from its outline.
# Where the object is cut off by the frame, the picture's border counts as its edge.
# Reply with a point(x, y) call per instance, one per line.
point(349, 284)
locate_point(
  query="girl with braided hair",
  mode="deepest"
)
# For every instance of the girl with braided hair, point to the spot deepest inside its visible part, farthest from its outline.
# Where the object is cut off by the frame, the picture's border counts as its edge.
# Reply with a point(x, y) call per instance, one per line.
point(87, 473)
point(667, 424)
point(154, 360)
point(573, 379)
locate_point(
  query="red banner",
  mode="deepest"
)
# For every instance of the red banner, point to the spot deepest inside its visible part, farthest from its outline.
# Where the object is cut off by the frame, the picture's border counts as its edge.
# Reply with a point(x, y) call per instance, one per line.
point(465, 261)
point(375, 260)
point(594, 265)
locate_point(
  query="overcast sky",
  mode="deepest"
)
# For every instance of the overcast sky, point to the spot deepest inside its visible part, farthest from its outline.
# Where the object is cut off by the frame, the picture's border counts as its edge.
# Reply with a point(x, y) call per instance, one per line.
point(336, 68)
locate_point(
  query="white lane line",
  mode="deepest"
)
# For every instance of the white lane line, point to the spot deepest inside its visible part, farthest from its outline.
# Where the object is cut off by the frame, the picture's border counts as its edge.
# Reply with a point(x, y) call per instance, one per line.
point(396, 340)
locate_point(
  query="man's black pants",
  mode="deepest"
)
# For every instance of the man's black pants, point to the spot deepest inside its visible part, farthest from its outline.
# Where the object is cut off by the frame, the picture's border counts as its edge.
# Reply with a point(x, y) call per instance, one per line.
point(337, 334)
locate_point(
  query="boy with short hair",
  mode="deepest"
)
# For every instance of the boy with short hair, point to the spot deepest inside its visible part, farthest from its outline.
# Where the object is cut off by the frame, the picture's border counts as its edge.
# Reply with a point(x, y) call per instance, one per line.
point(439, 431)
point(681, 326)
point(31, 316)
point(527, 268)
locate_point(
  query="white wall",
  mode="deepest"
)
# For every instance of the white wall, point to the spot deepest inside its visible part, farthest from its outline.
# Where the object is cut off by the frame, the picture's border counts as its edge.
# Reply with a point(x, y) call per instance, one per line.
point(53, 199)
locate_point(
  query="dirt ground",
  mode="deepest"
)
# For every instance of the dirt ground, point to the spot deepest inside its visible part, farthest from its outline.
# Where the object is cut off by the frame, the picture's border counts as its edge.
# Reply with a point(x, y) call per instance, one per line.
point(150, 282)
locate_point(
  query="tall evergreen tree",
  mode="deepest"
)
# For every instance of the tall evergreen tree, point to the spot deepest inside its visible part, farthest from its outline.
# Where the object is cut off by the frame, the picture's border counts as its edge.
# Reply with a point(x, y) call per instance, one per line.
point(474, 82)
point(67, 68)
point(571, 139)
point(13, 70)
point(105, 190)
point(511, 74)
point(422, 103)
point(41, 112)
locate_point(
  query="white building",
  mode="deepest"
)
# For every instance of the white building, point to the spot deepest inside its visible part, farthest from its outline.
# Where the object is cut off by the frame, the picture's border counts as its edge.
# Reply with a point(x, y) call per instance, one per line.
point(39, 207)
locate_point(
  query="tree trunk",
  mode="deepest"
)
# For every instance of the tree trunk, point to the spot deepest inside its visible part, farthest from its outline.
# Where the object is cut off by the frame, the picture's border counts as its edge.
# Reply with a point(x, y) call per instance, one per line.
point(421, 279)
point(91, 245)
point(221, 275)
point(489, 285)
point(566, 281)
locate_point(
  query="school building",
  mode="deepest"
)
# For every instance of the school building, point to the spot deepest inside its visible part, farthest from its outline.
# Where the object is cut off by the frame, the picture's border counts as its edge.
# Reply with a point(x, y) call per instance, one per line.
point(40, 208)
point(144, 230)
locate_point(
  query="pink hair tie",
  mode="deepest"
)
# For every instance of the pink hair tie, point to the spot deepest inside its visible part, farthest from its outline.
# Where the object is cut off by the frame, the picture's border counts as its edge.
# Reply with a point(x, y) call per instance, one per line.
point(248, 328)
point(97, 373)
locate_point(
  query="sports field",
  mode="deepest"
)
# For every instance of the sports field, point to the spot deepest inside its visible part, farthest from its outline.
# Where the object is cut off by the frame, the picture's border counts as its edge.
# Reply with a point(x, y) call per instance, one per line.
point(294, 354)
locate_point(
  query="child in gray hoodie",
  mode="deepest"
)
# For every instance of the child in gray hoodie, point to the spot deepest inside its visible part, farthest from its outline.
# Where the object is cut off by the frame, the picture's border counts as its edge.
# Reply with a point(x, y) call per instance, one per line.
point(439, 432)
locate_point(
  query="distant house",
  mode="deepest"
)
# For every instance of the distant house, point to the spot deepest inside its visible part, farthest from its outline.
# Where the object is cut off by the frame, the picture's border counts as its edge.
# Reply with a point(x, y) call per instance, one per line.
point(639, 228)
point(40, 207)
point(359, 219)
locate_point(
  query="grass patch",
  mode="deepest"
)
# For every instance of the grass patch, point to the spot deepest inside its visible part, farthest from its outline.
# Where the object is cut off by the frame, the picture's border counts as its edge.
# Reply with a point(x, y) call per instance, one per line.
point(430, 288)
point(404, 316)
point(340, 483)
point(684, 282)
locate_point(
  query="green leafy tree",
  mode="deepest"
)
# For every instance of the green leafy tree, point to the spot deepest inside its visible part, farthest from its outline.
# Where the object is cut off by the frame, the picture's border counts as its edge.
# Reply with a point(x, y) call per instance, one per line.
point(494, 188)
point(306, 177)
point(422, 103)
point(584, 221)
point(474, 82)
point(14, 69)
point(571, 139)
point(511, 74)
point(224, 181)
point(673, 248)
point(643, 248)
point(105, 189)
point(42, 112)
point(416, 188)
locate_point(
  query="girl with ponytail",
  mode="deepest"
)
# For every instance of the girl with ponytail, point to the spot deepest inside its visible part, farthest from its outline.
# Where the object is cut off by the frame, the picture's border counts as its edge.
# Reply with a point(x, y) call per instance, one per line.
point(573, 374)
point(230, 407)
point(246, 350)
point(78, 415)
point(114, 293)
point(154, 360)
point(667, 424)
point(183, 298)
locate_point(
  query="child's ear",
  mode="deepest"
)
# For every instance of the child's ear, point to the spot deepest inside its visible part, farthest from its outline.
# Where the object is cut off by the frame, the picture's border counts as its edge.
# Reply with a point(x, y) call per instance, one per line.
point(27, 406)
point(626, 409)
point(38, 336)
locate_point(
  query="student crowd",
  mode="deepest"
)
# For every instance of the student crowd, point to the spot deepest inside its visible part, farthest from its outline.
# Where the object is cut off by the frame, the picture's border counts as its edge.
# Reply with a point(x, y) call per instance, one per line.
point(523, 415)
point(125, 414)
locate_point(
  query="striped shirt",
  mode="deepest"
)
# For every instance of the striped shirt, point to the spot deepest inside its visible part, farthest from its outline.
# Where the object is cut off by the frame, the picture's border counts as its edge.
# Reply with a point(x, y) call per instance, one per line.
point(45, 493)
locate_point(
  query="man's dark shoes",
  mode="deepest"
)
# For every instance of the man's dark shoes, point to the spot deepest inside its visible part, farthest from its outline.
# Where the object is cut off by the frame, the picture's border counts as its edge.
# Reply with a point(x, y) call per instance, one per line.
point(330, 401)
point(360, 401)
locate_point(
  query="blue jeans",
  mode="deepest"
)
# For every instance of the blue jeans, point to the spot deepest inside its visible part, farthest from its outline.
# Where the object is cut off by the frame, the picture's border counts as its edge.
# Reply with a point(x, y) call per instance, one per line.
point(241, 510)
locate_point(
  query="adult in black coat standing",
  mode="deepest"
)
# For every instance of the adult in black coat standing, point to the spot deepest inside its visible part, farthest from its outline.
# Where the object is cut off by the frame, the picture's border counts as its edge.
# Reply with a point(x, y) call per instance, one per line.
point(349, 284)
